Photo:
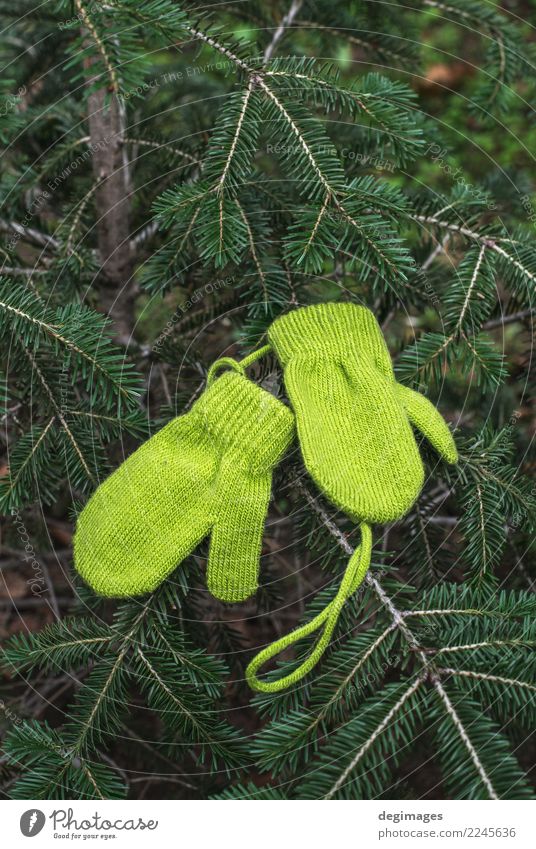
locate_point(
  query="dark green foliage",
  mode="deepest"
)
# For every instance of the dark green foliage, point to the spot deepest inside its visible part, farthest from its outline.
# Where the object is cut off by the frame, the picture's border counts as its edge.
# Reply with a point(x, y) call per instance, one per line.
point(182, 685)
point(257, 178)
point(54, 770)
point(69, 374)
point(490, 745)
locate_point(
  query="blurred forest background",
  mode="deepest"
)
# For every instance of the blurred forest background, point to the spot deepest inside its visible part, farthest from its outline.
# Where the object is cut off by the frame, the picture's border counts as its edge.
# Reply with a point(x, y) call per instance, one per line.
point(173, 178)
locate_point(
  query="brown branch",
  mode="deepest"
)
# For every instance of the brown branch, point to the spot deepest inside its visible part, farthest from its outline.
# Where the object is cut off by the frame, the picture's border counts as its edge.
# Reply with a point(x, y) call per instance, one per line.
point(508, 319)
point(113, 202)
point(286, 22)
point(398, 619)
point(106, 119)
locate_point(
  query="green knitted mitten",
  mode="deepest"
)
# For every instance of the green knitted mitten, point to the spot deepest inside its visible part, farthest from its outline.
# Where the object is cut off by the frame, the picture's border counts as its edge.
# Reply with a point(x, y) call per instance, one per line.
point(354, 424)
point(354, 420)
point(208, 470)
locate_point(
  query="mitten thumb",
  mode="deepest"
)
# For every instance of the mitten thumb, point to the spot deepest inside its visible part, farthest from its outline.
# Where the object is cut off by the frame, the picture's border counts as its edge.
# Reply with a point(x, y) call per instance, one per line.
point(424, 416)
point(236, 541)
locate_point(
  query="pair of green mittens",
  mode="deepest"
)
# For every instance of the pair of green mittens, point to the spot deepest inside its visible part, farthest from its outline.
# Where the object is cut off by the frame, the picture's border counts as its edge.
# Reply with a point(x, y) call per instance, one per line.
point(209, 471)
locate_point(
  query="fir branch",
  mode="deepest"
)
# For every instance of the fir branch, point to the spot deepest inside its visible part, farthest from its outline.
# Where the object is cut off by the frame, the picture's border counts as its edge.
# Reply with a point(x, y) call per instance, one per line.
point(60, 414)
point(262, 275)
point(286, 21)
point(107, 371)
point(234, 142)
point(414, 686)
point(399, 621)
point(447, 703)
point(485, 676)
point(159, 145)
point(13, 480)
point(99, 43)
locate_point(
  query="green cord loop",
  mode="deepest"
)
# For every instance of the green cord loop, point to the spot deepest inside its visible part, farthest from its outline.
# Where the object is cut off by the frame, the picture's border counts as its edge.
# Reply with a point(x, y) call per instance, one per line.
point(223, 362)
point(255, 355)
point(238, 365)
point(355, 572)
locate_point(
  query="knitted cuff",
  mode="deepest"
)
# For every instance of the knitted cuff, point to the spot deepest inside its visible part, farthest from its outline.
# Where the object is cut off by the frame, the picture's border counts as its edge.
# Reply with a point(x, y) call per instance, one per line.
point(246, 421)
point(331, 330)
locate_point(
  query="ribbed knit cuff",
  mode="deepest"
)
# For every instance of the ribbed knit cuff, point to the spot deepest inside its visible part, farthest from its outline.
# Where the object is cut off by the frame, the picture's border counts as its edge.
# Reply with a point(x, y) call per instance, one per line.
point(246, 420)
point(331, 329)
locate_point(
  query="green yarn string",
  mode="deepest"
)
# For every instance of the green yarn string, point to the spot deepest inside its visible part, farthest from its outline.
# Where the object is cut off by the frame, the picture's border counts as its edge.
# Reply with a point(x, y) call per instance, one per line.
point(355, 572)
point(238, 365)
point(223, 362)
point(255, 355)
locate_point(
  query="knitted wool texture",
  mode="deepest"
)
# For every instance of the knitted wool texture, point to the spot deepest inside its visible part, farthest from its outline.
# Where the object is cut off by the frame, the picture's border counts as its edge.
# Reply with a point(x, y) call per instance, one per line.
point(327, 620)
point(354, 426)
point(353, 419)
point(209, 470)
